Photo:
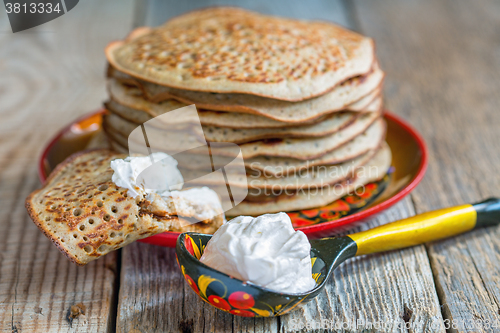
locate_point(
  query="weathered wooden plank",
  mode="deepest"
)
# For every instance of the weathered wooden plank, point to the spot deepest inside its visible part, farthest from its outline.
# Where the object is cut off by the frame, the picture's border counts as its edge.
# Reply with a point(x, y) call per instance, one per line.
point(372, 291)
point(154, 297)
point(158, 11)
point(388, 292)
point(443, 74)
point(48, 76)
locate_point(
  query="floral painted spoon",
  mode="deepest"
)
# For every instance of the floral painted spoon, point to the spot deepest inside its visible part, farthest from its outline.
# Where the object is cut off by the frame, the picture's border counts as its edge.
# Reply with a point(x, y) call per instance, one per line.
point(249, 300)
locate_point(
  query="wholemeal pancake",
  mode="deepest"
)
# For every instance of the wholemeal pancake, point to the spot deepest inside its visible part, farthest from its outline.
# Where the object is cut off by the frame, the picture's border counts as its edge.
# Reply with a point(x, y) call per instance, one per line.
point(231, 50)
point(374, 170)
point(117, 147)
point(98, 140)
point(299, 149)
point(86, 215)
point(229, 119)
point(251, 121)
point(315, 177)
point(117, 141)
point(279, 166)
point(307, 149)
point(351, 94)
point(354, 95)
point(330, 125)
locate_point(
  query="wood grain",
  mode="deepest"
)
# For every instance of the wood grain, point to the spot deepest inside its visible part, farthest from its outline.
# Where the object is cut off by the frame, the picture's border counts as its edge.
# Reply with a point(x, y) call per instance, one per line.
point(154, 297)
point(443, 74)
point(380, 293)
point(387, 292)
point(158, 11)
point(49, 75)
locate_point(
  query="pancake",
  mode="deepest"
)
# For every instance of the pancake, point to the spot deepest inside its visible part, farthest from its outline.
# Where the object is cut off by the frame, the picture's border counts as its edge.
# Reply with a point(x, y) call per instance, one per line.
point(251, 121)
point(306, 149)
point(330, 125)
point(231, 50)
point(115, 146)
point(276, 166)
point(156, 142)
point(87, 216)
point(374, 170)
point(273, 108)
point(315, 177)
point(228, 119)
point(354, 95)
point(279, 166)
point(298, 149)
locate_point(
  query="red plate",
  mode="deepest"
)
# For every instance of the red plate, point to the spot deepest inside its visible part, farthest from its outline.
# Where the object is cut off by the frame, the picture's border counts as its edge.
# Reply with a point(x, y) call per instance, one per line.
point(409, 165)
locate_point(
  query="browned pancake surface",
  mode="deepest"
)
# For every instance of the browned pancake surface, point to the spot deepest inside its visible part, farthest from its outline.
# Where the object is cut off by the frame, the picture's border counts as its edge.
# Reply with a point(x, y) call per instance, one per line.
point(225, 49)
point(86, 215)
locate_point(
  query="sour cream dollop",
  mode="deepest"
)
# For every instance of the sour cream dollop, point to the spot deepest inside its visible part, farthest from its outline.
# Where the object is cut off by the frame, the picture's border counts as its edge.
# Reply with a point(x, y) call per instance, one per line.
point(265, 250)
point(165, 177)
point(162, 185)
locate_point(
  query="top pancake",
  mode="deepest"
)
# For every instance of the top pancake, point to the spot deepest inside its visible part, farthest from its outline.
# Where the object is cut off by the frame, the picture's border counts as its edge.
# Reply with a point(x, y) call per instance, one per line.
point(231, 50)
point(356, 94)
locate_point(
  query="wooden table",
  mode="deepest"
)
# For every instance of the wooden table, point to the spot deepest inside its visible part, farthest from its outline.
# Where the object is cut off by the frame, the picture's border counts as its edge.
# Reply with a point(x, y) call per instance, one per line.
point(442, 60)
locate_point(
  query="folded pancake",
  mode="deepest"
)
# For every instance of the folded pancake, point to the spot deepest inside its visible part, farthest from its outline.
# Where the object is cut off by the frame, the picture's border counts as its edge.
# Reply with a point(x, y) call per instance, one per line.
point(264, 202)
point(86, 215)
point(231, 50)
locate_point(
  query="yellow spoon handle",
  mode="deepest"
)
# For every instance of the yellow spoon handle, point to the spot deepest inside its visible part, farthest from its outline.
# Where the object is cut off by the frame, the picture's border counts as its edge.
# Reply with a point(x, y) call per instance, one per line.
point(417, 230)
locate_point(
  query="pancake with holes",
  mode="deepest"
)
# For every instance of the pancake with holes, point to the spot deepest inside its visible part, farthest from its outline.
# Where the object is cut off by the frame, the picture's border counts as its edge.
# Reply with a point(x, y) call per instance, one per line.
point(303, 101)
point(232, 50)
point(86, 215)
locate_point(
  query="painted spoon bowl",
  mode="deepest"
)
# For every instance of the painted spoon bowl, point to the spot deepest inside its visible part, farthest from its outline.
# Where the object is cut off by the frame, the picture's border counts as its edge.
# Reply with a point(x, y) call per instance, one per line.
point(250, 300)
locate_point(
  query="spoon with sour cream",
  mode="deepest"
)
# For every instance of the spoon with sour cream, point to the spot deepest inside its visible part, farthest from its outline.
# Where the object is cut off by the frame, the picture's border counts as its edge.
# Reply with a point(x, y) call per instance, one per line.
point(262, 267)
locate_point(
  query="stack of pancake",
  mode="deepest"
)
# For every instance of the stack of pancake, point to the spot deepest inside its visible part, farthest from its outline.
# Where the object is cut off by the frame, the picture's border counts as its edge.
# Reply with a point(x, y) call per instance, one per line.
point(301, 99)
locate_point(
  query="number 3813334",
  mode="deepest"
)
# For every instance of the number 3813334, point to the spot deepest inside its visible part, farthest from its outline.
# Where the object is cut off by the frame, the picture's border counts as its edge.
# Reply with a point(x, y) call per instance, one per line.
point(32, 8)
